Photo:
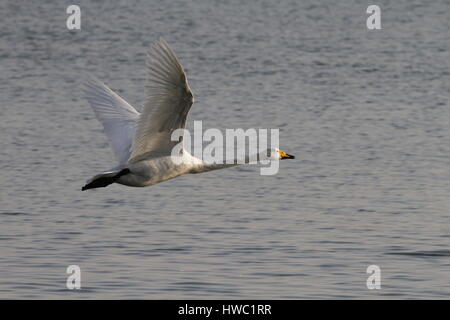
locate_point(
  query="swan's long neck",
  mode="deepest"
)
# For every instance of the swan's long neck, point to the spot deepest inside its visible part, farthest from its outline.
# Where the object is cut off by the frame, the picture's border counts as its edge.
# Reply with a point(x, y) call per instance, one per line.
point(236, 162)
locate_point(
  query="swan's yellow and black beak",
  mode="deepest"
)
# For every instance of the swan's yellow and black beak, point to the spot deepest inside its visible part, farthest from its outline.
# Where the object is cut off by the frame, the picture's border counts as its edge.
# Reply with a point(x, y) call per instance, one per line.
point(284, 155)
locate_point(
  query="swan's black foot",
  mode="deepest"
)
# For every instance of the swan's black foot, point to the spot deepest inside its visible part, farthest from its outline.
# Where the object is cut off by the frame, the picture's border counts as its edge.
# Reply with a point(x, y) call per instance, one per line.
point(104, 181)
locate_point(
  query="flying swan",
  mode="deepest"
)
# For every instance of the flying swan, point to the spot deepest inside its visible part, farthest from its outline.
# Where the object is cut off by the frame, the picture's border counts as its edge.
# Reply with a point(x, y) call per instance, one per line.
point(142, 141)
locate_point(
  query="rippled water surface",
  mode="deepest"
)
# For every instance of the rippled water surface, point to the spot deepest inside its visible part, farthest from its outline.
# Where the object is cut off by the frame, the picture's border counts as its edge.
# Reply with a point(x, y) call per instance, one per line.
point(365, 112)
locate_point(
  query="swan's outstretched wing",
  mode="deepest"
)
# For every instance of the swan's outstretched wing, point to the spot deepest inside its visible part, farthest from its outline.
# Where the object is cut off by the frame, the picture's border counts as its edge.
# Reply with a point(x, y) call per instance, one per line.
point(168, 100)
point(119, 119)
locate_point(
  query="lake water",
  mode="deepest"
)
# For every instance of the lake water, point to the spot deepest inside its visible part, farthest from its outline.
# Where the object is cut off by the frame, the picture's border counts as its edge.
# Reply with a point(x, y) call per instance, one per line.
point(366, 113)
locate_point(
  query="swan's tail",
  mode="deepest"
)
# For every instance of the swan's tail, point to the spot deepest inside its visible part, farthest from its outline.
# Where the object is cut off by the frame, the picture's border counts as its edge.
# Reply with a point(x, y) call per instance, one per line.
point(105, 179)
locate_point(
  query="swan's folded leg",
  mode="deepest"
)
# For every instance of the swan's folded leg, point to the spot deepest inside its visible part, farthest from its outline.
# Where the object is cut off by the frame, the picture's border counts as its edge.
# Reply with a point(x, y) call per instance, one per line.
point(105, 179)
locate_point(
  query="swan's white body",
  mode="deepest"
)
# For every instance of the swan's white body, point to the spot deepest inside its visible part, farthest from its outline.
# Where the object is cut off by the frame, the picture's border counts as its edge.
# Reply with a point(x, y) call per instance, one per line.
point(154, 170)
point(141, 141)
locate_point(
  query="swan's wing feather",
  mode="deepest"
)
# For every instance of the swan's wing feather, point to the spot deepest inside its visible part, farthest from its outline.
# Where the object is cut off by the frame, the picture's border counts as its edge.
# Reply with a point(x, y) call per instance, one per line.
point(116, 115)
point(168, 100)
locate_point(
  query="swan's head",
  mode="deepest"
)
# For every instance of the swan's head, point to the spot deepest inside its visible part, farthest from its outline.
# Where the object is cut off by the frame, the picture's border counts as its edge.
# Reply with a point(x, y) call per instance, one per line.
point(278, 154)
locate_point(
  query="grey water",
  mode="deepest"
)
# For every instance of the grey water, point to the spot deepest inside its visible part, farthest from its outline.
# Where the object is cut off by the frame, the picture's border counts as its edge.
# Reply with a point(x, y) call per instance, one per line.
point(365, 112)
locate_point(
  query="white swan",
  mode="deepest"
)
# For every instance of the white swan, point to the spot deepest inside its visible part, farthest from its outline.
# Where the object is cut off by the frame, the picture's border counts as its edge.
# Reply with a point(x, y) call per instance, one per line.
point(141, 141)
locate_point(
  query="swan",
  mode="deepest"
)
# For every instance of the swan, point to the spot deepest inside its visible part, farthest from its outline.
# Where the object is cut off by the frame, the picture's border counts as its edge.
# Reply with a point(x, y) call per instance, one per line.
point(141, 142)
